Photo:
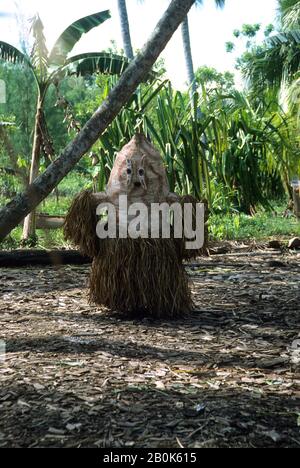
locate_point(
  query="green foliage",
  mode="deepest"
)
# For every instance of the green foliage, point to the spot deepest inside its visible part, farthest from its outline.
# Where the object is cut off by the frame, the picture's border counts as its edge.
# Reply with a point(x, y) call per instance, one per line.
point(244, 161)
point(272, 72)
point(276, 62)
point(230, 47)
point(291, 19)
point(209, 77)
point(285, 5)
point(248, 33)
point(20, 82)
point(263, 225)
point(289, 14)
point(269, 29)
point(250, 30)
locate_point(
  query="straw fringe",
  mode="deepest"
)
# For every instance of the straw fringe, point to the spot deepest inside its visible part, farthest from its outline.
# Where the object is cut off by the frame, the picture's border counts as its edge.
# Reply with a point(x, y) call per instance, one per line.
point(143, 276)
point(80, 224)
point(183, 253)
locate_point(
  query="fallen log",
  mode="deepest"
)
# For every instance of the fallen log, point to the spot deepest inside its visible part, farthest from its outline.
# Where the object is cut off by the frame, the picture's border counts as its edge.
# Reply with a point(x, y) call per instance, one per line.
point(20, 258)
point(46, 222)
point(49, 222)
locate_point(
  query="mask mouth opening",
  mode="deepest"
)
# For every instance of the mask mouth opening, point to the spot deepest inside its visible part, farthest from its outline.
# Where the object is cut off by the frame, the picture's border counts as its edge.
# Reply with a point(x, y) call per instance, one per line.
point(137, 184)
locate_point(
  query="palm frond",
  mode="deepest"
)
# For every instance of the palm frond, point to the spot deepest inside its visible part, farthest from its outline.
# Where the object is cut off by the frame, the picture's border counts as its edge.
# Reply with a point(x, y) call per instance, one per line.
point(73, 34)
point(293, 96)
point(288, 37)
point(279, 60)
point(292, 18)
point(9, 53)
point(220, 3)
point(96, 62)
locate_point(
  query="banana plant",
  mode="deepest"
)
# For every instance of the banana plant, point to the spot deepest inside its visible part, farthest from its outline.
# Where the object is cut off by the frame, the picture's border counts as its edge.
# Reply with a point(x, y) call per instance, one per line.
point(49, 68)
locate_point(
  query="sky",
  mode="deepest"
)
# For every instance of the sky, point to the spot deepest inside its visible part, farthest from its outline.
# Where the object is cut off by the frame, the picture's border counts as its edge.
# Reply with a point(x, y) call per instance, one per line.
point(210, 28)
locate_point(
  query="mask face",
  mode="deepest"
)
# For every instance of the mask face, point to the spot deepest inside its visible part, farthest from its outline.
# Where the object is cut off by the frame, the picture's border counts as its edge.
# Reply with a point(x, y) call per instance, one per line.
point(139, 173)
point(136, 174)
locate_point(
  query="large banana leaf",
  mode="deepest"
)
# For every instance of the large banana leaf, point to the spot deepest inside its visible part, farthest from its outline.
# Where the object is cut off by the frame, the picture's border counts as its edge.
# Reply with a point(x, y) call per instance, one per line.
point(97, 62)
point(73, 34)
point(39, 54)
point(10, 54)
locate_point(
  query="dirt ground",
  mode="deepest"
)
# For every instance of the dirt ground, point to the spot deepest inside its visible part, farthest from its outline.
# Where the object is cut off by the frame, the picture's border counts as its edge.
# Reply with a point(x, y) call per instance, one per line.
point(226, 376)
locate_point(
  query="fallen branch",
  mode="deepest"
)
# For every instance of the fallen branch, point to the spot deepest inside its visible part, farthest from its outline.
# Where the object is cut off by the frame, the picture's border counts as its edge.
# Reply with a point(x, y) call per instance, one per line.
point(20, 258)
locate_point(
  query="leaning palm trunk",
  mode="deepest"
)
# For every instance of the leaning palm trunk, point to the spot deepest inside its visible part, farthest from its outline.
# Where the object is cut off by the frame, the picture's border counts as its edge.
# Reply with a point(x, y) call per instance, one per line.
point(139, 68)
point(125, 29)
point(185, 31)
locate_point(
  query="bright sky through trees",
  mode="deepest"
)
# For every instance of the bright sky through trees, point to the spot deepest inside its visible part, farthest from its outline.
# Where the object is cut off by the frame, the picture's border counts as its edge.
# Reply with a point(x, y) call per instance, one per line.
point(210, 28)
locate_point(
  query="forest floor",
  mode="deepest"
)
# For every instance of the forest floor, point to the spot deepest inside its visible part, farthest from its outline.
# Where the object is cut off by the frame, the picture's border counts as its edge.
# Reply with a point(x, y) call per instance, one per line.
point(226, 376)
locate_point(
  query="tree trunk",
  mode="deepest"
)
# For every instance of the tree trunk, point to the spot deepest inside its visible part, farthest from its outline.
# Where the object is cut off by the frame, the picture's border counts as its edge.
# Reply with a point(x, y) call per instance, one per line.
point(29, 222)
point(125, 29)
point(296, 200)
point(137, 71)
point(185, 31)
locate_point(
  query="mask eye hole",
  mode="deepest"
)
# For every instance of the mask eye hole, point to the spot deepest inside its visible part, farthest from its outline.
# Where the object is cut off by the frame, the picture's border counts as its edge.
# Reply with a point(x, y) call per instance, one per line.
point(141, 172)
point(129, 171)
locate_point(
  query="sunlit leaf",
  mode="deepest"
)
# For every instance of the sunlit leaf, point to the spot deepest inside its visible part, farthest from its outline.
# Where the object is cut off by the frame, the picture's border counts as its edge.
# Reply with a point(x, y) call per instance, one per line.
point(73, 34)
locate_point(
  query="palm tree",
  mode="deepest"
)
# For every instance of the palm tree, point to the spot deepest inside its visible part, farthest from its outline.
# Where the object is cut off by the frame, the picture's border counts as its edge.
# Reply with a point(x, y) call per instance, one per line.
point(186, 41)
point(274, 68)
point(278, 61)
point(49, 68)
point(125, 29)
point(188, 50)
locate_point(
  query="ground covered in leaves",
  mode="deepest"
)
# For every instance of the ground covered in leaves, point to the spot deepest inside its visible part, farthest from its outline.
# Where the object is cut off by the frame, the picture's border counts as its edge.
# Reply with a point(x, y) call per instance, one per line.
point(226, 376)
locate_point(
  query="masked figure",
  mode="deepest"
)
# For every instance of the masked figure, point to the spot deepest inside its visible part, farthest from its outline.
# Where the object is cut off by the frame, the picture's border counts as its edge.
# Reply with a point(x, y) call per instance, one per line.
point(145, 276)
